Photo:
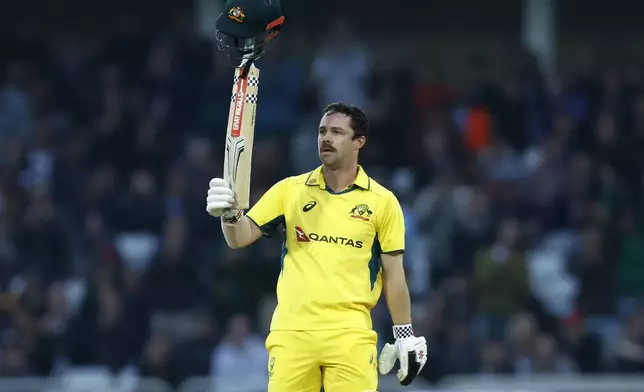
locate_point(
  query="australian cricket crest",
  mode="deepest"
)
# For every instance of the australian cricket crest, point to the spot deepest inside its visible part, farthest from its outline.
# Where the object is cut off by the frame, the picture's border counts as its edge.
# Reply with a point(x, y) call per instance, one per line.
point(362, 212)
point(237, 14)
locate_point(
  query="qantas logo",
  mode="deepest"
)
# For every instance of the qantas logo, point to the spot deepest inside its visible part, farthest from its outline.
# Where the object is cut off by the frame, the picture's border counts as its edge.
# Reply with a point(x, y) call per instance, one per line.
point(302, 236)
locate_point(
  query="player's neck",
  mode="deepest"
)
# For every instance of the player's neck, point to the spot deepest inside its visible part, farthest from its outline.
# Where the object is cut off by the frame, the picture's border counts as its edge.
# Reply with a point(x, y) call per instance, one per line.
point(340, 178)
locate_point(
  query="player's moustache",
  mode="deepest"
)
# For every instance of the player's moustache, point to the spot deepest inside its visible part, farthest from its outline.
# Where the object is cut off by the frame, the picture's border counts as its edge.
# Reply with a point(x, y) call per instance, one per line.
point(326, 147)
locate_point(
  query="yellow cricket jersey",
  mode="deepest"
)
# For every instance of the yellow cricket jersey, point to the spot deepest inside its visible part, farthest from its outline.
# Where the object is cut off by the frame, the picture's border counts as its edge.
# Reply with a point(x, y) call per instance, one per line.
point(331, 271)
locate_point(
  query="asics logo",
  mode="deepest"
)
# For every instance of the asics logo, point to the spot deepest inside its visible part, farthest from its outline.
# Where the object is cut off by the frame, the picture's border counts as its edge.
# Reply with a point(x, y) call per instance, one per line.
point(309, 206)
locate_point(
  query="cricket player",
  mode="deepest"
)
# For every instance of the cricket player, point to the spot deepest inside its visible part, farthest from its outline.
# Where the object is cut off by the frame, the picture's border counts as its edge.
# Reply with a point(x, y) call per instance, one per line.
point(344, 238)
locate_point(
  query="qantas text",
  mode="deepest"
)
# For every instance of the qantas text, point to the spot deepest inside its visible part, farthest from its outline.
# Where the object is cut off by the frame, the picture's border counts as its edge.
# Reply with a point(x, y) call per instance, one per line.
point(303, 237)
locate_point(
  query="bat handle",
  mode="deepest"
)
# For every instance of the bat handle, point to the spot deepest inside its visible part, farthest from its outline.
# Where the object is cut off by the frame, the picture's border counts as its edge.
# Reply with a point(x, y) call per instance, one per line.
point(245, 68)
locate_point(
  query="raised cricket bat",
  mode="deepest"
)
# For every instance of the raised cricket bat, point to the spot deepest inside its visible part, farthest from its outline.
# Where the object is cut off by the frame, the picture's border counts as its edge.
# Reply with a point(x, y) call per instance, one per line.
point(240, 132)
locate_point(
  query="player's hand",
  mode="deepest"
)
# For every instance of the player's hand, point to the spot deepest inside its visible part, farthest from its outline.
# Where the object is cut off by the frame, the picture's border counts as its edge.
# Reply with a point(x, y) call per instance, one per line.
point(221, 198)
point(410, 351)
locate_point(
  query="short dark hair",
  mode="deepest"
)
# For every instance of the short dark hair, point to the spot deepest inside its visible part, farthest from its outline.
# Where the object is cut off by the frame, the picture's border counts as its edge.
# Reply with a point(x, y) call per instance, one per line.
point(357, 117)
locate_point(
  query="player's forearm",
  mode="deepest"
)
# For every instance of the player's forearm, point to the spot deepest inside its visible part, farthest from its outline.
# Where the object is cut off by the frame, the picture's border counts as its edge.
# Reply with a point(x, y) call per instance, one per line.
point(398, 300)
point(237, 235)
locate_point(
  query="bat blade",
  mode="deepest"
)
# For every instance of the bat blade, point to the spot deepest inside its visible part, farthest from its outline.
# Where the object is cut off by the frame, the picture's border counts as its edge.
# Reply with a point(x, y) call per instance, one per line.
point(239, 135)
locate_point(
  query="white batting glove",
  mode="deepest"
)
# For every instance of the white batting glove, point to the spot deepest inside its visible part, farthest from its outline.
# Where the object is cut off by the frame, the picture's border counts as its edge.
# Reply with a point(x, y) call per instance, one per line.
point(410, 350)
point(221, 201)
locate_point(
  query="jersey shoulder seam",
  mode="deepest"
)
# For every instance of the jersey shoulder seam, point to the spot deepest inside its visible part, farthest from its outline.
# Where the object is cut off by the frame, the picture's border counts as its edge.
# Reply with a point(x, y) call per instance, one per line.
point(379, 189)
point(300, 178)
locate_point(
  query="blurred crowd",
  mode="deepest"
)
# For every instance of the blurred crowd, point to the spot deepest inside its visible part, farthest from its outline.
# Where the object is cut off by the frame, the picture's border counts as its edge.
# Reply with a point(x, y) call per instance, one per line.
point(522, 199)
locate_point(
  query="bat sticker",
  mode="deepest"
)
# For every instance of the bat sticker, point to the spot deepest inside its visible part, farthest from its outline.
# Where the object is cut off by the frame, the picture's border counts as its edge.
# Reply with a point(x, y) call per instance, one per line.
point(234, 149)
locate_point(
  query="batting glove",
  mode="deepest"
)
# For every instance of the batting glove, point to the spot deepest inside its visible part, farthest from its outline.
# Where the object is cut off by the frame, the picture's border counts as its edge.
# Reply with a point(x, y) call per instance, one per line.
point(410, 350)
point(221, 201)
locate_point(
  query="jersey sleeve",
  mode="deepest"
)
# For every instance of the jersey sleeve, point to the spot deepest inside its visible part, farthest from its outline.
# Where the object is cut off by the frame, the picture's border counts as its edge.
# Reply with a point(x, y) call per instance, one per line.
point(268, 212)
point(391, 227)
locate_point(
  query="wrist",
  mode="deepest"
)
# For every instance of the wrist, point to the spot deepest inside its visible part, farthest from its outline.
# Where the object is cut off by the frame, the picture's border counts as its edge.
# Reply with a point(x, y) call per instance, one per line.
point(231, 217)
point(403, 331)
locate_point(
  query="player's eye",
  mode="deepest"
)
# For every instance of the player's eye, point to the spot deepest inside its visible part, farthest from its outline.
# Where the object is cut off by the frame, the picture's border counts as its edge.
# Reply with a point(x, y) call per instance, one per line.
point(321, 131)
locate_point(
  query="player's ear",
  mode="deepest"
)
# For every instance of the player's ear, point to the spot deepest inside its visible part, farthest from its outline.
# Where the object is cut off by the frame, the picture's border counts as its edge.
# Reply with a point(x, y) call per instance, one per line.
point(360, 141)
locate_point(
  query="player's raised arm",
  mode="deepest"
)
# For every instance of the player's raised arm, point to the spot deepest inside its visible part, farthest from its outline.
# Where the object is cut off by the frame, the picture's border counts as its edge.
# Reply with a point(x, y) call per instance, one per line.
point(240, 234)
point(408, 349)
point(239, 230)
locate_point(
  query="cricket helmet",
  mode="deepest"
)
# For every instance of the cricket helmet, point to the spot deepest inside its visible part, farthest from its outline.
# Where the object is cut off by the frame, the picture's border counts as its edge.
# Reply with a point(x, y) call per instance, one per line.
point(246, 27)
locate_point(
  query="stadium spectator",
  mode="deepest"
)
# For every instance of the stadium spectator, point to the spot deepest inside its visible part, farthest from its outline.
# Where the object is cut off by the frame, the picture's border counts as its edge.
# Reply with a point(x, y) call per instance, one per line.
point(501, 279)
point(240, 354)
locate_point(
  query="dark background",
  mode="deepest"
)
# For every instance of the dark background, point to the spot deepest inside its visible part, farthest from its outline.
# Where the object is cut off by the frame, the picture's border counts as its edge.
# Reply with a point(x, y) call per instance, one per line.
point(521, 186)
